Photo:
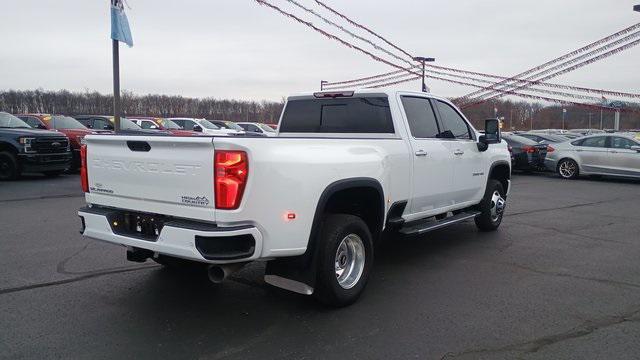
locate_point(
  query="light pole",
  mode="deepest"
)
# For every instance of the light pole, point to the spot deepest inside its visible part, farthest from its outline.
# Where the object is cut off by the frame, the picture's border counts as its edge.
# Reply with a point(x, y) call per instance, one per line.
point(564, 113)
point(423, 60)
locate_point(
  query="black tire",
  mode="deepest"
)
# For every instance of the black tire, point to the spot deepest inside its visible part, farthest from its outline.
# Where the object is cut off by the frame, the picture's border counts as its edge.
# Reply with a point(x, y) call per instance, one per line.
point(335, 229)
point(490, 211)
point(52, 174)
point(564, 169)
point(8, 166)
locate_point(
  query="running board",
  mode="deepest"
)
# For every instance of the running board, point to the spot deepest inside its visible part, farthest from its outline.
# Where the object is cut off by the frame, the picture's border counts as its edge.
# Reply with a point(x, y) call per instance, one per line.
point(426, 226)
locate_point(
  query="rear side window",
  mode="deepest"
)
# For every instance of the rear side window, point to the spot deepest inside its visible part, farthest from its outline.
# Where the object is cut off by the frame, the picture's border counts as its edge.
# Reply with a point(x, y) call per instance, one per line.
point(452, 121)
point(598, 141)
point(422, 119)
point(343, 115)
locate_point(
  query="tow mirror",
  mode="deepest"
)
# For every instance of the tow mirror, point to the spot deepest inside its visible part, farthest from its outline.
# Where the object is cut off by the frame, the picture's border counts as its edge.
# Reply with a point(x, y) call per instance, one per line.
point(197, 128)
point(491, 134)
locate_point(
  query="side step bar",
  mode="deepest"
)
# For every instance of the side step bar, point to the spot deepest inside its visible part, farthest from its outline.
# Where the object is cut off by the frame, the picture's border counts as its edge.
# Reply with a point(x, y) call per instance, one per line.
point(430, 225)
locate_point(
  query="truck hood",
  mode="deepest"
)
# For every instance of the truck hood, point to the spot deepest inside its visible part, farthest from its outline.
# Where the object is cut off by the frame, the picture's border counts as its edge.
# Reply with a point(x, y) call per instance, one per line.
point(30, 132)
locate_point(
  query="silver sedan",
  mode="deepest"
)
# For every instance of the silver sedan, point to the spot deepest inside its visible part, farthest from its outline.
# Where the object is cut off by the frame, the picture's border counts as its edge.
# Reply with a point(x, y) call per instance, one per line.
point(603, 154)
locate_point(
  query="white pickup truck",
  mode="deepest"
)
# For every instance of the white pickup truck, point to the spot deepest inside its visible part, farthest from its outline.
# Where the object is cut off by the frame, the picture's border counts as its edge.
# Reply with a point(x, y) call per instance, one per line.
point(312, 201)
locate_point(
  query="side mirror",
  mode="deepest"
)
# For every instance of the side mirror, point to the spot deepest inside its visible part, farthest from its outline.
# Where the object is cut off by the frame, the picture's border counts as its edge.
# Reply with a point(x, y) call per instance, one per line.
point(635, 148)
point(108, 127)
point(197, 128)
point(491, 135)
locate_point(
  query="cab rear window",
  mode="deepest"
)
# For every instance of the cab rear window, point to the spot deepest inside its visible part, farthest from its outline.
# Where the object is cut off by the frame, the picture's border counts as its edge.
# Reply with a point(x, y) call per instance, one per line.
point(340, 115)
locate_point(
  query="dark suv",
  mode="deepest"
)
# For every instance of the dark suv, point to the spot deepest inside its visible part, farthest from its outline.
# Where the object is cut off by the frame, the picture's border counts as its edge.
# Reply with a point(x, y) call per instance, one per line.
point(24, 149)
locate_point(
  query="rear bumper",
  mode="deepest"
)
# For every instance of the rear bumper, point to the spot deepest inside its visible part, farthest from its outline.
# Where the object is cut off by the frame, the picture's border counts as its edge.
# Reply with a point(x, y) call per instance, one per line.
point(203, 242)
point(44, 162)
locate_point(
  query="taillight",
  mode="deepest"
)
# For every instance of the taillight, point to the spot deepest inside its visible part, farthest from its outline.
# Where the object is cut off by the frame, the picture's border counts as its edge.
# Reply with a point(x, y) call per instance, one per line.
point(84, 175)
point(529, 149)
point(550, 149)
point(230, 177)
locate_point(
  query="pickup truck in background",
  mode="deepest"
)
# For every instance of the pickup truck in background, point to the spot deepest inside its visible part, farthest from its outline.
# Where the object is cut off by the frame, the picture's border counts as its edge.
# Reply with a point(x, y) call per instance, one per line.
point(24, 149)
point(312, 201)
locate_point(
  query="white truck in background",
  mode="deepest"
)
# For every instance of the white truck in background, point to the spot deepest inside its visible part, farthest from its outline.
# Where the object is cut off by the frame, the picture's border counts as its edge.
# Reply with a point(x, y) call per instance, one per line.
point(312, 201)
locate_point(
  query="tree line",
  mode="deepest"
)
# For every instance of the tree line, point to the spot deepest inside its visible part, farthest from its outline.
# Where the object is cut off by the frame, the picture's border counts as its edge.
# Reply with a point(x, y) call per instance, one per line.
point(516, 115)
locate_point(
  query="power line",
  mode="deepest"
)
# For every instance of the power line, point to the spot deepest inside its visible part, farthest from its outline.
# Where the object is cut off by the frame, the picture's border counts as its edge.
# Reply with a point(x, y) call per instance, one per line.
point(569, 55)
point(363, 28)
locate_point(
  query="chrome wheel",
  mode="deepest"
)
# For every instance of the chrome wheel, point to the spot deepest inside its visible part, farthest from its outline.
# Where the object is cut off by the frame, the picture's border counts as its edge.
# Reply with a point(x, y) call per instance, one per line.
point(349, 261)
point(498, 204)
point(568, 169)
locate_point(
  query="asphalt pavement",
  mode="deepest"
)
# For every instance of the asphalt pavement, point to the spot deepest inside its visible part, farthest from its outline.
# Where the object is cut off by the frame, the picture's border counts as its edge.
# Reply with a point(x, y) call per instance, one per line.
point(560, 279)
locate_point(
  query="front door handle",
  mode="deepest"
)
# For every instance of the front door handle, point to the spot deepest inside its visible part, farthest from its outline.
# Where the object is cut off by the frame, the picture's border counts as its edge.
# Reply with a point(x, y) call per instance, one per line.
point(421, 153)
point(458, 152)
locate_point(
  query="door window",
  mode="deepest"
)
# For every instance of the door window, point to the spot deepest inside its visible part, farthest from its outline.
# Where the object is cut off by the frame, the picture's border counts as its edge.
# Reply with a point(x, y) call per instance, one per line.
point(421, 118)
point(597, 142)
point(452, 121)
point(146, 124)
point(100, 124)
point(33, 122)
point(622, 143)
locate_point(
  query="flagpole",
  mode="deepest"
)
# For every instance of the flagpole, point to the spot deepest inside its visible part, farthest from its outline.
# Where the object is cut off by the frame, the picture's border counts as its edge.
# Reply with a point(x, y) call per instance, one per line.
point(116, 85)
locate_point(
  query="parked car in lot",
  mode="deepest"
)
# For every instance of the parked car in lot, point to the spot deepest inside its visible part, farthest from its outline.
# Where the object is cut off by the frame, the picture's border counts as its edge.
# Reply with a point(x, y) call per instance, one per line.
point(527, 154)
point(105, 122)
point(258, 128)
point(312, 205)
point(602, 154)
point(544, 138)
point(25, 149)
point(587, 131)
point(203, 126)
point(160, 124)
point(226, 125)
point(69, 126)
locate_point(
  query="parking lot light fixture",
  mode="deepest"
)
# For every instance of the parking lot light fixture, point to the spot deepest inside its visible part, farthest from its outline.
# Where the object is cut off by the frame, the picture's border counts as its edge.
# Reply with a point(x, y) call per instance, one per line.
point(423, 60)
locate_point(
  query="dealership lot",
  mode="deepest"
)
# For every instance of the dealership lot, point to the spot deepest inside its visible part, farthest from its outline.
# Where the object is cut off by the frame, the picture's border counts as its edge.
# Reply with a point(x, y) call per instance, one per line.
point(560, 279)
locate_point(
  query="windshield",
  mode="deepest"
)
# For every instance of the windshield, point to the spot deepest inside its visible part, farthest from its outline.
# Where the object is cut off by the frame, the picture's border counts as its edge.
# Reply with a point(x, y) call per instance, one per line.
point(207, 125)
point(65, 122)
point(265, 127)
point(168, 124)
point(126, 124)
point(9, 121)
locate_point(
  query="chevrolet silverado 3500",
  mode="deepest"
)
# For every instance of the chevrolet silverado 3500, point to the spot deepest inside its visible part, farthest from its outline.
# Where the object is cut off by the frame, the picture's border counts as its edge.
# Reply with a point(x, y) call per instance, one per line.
point(312, 201)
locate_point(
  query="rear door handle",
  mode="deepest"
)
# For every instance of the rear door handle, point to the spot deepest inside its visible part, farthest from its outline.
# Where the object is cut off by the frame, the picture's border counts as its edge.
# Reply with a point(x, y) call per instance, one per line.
point(421, 153)
point(458, 152)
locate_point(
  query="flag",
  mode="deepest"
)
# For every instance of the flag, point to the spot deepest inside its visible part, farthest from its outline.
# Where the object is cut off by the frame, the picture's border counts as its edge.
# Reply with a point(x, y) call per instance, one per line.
point(120, 24)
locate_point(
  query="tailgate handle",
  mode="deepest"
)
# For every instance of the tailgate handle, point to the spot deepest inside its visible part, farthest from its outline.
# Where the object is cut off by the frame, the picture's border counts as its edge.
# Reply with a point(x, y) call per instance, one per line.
point(139, 146)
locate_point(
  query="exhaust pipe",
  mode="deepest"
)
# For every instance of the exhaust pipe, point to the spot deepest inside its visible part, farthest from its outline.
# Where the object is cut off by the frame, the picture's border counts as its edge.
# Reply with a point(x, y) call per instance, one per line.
point(218, 273)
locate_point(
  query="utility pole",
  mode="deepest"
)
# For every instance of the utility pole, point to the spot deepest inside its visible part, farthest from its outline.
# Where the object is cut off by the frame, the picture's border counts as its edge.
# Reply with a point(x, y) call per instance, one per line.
point(423, 60)
point(322, 84)
point(116, 85)
point(590, 120)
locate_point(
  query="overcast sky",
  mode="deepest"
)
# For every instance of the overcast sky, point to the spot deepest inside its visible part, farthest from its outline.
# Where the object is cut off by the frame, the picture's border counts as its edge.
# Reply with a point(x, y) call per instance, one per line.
point(238, 49)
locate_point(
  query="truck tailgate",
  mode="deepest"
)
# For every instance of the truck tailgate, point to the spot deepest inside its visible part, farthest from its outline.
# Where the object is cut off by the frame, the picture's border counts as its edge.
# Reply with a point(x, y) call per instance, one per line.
point(159, 174)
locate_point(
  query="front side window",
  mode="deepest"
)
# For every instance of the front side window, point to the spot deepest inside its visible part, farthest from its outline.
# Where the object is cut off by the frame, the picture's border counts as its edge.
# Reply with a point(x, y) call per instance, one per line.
point(622, 143)
point(364, 114)
point(452, 121)
point(100, 124)
point(598, 142)
point(33, 122)
point(421, 118)
point(146, 124)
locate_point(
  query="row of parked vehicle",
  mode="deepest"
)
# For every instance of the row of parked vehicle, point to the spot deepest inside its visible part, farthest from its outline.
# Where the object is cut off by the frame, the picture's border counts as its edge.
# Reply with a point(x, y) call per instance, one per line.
point(576, 152)
point(50, 144)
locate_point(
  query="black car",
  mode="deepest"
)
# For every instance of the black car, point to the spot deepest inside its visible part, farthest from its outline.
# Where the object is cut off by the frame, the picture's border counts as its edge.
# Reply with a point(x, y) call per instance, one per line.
point(545, 138)
point(526, 154)
point(24, 149)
